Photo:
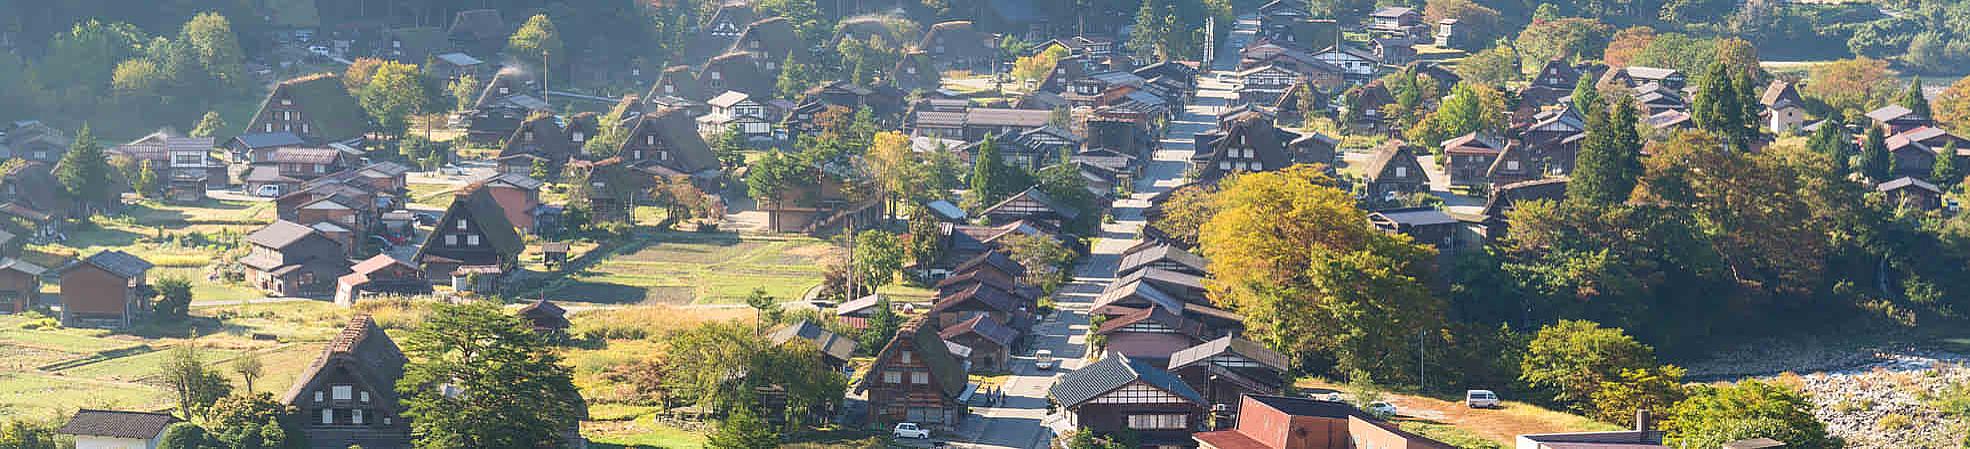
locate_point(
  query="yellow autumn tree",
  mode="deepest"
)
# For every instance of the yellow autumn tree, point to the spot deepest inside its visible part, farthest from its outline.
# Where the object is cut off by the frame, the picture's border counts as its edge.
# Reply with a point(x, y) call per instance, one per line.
point(1292, 253)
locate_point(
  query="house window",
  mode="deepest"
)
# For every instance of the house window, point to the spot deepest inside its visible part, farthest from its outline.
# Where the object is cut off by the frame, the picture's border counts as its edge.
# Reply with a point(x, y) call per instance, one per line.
point(356, 416)
point(1511, 165)
point(318, 395)
point(919, 377)
point(286, 102)
point(527, 136)
point(321, 169)
point(906, 356)
point(503, 90)
point(364, 395)
point(910, 70)
point(715, 76)
point(752, 45)
point(342, 392)
point(579, 136)
point(328, 416)
point(650, 139)
point(472, 240)
point(771, 66)
point(461, 224)
point(451, 240)
point(892, 377)
point(1402, 172)
point(1159, 422)
point(669, 89)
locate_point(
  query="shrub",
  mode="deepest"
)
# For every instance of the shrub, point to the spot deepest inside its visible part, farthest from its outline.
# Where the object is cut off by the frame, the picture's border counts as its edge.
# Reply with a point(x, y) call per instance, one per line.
point(1893, 421)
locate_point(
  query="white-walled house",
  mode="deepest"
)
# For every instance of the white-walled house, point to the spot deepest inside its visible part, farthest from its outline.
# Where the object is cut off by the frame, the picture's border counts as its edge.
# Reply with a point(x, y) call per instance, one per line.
point(111, 429)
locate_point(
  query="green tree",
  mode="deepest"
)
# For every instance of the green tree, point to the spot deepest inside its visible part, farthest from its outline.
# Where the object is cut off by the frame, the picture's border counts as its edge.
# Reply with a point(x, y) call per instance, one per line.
point(1718, 108)
point(1587, 98)
point(196, 386)
point(1063, 183)
point(878, 257)
point(1291, 256)
point(249, 369)
point(1913, 99)
point(720, 352)
point(1565, 38)
point(540, 170)
point(393, 95)
point(883, 323)
point(987, 187)
point(922, 241)
point(794, 78)
point(1045, 259)
point(1832, 141)
point(184, 435)
point(743, 430)
point(32, 435)
point(766, 308)
point(1948, 171)
point(1495, 66)
point(82, 171)
point(1149, 33)
point(804, 15)
point(210, 125)
point(516, 391)
point(730, 147)
point(1574, 358)
point(535, 42)
point(146, 181)
point(1609, 162)
point(1469, 108)
point(1875, 161)
point(174, 296)
point(1616, 401)
point(464, 92)
point(211, 37)
point(1714, 415)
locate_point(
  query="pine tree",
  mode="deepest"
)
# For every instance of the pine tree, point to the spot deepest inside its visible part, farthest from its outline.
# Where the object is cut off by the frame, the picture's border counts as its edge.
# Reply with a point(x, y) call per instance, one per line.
point(1609, 162)
point(1913, 99)
point(209, 125)
point(83, 170)
point(1748, 109)
point(883, 323)
point(1717, 107)
point(1586, 98)
point(1876, 163)
point(1948, 171)
point(985, 175)
point(1146, 37)
point(1831, 140)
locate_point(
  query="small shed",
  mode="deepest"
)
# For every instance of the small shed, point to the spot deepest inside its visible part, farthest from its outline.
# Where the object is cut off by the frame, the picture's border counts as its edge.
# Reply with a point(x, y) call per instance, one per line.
point(554, 253)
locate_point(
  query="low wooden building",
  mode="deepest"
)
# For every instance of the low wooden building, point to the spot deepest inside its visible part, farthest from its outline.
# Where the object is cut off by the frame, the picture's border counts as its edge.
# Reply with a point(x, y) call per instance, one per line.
point(1119, 393)
point(292, 259)
point(991, 342)
point(105, 290)
point(348, 396)
point(1228, 368)
point(1279, 422)
point(916, 379)
point(20, 285)
point(383, 274)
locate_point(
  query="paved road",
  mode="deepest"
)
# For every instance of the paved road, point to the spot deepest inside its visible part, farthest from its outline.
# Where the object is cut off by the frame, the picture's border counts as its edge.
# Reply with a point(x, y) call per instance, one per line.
point(1022, 422)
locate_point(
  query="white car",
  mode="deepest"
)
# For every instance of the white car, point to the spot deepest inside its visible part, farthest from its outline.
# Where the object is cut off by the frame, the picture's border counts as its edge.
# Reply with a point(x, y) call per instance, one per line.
point(1043, 359)
point(319, 50)
point(1382, 408)
point(268, 191)
point(910, 430)
point(1480, 399)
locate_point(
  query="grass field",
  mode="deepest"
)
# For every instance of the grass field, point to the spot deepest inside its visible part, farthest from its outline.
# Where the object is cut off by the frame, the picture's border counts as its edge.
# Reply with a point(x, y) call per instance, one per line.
point(163, 234)
point(687, 268)
point(639, 434)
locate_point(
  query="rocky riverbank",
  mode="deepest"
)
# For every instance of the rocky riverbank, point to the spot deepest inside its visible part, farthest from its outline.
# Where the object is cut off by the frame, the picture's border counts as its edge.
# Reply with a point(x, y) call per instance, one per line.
point(1888, 404)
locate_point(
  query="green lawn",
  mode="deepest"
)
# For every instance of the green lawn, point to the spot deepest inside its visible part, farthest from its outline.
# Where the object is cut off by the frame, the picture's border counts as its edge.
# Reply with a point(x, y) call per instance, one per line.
point(139, 367)
point(436, 195)
point(641, 434)
point(681, 268)
point(42, 396)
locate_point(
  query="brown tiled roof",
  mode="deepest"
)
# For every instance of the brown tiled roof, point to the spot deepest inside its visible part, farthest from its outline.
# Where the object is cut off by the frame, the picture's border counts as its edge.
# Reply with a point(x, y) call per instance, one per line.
point(279, 234)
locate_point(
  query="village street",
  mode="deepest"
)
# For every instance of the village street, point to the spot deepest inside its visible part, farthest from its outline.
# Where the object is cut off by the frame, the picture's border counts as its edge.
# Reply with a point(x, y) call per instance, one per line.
point(1022, 421)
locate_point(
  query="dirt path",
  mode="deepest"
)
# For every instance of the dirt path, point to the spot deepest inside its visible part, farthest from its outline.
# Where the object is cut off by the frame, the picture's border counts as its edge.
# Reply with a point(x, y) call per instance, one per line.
point(1502, 425)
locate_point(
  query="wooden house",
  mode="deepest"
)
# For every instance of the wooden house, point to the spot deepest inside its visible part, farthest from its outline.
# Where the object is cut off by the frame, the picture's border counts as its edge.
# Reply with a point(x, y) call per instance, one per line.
point(741, 71)
point(915, 378)
point(835, 349)
point(1397, 21)
point(1250, 143)
point(1635, 76)
point(667, 143)
point(474, 232)
point(914, 71)
point(1784, 110)
point(30, 192)
point(1913, 193)
point(292, 259)
point(478, 31)
point(519, 197)
point(1471, 156)
point(958, 45)
point(318, 108)
point(1031, 204)
point(1162, 256)
point(541, 137)
point(382, 273)
point(717, 32)
point(1393, 172)
point(1151, 334)
point(1895, 119)
point(20, 285)
point(348, 395)
point(93, 429)
point(1426, 225)
point(255, 147)
point(1228, 368)
point(34, 141)
point(772, 41)
point(990, 342)
point(105, 290)
point(545, 318)
point(956, 307)
point(1358, 65)
point(677, 81)
point(1120, 393)
point(1280, 422)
